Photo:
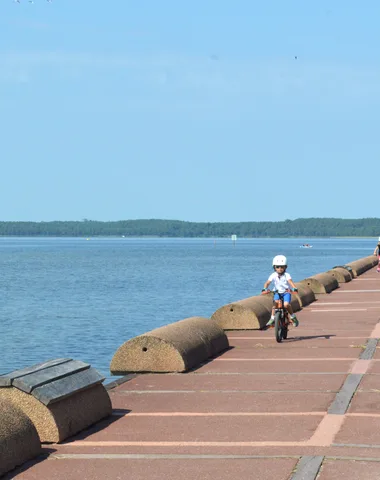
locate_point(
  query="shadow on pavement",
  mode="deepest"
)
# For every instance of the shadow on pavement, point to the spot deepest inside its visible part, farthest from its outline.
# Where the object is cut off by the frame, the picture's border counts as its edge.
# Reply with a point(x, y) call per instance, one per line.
point(209, 360)
point(99, 426)
point(308, 337)
point(46, 451)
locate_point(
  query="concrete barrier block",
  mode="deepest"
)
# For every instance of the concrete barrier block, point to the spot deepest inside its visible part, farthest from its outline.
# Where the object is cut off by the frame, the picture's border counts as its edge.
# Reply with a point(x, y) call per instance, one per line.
point(341, 274)
point(362, 265)
point(305, 294)
point(251, 313)
point(348, 269)
point(321, 283)
point(296, 302)
point(176, 347)
point(248, 314)
point(19, 441)
point(61, 397)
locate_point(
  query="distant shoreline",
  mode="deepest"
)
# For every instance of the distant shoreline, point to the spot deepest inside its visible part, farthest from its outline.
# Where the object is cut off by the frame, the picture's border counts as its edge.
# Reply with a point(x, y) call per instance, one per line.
point(157, 228)
point(84, 237)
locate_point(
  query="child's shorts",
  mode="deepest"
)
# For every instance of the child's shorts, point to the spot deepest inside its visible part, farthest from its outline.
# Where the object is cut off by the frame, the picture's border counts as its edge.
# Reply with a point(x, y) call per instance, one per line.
point(287, 297)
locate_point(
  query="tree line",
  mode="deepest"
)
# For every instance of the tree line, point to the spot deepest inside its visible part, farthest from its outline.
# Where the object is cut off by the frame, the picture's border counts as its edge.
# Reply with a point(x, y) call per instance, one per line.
point(301, 227)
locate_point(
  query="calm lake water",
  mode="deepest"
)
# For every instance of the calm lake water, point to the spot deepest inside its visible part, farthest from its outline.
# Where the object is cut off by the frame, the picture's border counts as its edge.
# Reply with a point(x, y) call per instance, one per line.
point(78, 298)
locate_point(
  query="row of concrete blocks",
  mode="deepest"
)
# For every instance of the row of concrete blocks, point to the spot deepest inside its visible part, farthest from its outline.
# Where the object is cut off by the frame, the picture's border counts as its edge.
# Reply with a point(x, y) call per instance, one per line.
point(186, 344)
point(51, 401)
point(254, 312)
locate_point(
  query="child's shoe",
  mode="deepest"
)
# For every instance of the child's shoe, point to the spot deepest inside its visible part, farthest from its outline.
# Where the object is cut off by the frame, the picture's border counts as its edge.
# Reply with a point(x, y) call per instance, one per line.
point(294, 320)
point(271, 322)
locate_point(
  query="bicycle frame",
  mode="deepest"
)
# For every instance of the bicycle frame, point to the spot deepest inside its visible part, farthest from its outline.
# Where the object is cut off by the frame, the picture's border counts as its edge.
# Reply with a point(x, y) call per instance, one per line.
point(281, 316)
point(281, 307)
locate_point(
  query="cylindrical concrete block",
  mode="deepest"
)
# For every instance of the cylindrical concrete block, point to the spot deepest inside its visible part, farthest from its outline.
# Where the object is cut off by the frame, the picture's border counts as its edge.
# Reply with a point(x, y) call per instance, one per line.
point(176, 347)
point(348, 269)
point(296, 302)
point(63, 419)
point(341, 274)
point(19, 441)
point(248, 314)
point(321, 283)
point(362, 265)
point(305, 294)
point(265, 300)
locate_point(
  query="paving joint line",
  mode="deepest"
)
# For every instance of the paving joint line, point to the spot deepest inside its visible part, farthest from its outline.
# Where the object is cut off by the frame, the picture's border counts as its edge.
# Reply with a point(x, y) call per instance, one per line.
point(120, 381)
point(307, 468)
point(272, 373)
point(121, 413)
point(370, 349)
point(176, 456)
point(292, 359)
point(355, 445)
point(343, 398)
point(158, 456)
point(143, 392)
point(363, 459)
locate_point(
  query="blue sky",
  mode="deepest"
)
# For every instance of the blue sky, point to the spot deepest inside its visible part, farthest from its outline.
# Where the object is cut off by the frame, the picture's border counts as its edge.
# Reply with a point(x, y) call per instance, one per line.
point(192, 110)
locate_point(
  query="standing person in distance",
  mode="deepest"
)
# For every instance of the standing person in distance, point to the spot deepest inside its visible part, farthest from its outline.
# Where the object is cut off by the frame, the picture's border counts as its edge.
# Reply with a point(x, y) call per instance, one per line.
point(282, 282)
point(377, 253)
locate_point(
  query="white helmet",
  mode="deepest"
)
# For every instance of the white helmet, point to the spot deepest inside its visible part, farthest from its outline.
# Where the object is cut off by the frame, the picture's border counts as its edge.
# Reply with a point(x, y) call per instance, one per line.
point(280, 260)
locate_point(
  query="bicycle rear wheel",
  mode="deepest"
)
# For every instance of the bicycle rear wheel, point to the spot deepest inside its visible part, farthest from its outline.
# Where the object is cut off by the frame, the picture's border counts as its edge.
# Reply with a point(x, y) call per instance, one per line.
point(278, 327)
point(285, 332)
point(285, 326)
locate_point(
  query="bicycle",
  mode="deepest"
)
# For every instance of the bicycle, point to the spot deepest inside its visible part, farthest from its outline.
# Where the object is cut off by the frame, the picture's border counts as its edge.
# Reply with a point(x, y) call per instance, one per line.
point(281, 318)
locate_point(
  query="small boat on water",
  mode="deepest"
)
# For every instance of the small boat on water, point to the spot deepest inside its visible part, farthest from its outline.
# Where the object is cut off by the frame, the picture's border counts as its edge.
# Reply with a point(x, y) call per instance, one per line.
point(306, 245)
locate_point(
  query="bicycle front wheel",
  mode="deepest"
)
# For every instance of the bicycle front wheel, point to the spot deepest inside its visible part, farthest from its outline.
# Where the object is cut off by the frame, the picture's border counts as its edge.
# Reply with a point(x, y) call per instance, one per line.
point(278, 327)
point(285, 332)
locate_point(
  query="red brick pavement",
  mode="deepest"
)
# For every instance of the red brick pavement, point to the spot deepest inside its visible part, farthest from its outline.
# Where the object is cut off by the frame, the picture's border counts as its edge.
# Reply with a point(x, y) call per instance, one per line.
point(260, 410)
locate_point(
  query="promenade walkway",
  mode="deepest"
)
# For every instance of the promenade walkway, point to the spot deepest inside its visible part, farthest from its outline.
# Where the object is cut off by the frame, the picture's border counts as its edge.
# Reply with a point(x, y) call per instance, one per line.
point(306, 407)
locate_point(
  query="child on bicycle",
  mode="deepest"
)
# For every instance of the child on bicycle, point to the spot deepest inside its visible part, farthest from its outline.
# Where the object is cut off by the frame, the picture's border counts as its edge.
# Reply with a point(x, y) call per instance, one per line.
point(283, 283)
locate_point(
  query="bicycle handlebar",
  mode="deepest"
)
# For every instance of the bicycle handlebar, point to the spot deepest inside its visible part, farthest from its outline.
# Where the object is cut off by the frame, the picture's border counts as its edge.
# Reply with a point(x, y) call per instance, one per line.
point(266, 291)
